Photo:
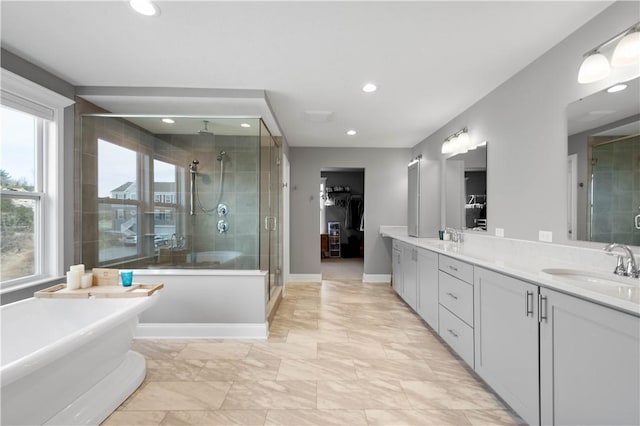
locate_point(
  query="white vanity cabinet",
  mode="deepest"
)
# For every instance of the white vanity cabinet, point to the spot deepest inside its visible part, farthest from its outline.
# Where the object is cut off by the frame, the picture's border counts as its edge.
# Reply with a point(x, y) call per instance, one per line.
point(589, 369)
point(506, 339)
point(396, 267)
point(405, 261)
point(409, 276)
point(428, 287)
point(455, 312)
point(554, 358)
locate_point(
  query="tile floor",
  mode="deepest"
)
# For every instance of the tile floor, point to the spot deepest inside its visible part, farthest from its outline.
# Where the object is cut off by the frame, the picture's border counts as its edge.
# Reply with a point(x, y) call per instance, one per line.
point(339, 353)
point(333, 268)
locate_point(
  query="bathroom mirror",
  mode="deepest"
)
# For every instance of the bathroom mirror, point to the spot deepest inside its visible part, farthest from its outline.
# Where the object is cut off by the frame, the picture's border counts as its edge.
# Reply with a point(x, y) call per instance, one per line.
point(466, 190)
point(603, 173)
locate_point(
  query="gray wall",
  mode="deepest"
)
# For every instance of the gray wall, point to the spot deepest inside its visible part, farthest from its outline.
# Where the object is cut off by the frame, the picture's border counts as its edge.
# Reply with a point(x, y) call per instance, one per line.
point(26, 69)
point(385, 186)
point(524, 121)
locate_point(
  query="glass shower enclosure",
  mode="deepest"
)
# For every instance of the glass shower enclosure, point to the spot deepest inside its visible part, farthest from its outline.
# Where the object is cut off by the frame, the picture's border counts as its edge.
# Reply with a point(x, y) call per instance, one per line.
point(180, 192)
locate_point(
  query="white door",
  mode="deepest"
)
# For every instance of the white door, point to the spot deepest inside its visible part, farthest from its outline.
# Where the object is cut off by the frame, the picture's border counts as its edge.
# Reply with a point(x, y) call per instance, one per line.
point(572, 196)
point(456, 197)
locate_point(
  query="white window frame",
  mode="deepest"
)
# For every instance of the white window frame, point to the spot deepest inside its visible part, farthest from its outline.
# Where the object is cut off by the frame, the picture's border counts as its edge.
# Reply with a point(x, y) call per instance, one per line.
point(24, 95)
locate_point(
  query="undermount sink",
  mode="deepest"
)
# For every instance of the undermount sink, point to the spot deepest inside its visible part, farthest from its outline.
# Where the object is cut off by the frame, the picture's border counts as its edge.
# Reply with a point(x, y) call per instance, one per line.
point(592, 277)
point(625, 288)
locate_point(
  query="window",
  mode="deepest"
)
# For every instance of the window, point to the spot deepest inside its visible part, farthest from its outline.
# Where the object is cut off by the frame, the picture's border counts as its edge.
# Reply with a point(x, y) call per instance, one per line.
point(118, 205)
point(31, 164)
point(164, 197)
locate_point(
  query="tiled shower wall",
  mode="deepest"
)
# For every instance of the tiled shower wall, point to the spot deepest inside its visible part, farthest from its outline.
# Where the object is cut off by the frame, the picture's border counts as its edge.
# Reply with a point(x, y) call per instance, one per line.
point(616, 191)
point(239, 193)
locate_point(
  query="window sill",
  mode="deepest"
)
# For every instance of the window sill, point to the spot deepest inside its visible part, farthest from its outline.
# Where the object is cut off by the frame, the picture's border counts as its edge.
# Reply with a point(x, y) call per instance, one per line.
point(35, 283)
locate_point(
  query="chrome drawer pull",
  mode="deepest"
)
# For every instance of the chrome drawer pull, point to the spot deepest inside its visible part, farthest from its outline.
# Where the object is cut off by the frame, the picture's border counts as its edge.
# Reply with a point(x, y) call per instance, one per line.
point(541, 299)
point(529, 308)
point(453, 333)
point(453, 296)
point(453, 268)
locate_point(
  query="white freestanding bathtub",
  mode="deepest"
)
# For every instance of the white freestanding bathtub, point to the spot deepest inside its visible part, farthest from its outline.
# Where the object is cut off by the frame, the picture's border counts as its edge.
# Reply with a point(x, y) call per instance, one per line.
point(68, 361)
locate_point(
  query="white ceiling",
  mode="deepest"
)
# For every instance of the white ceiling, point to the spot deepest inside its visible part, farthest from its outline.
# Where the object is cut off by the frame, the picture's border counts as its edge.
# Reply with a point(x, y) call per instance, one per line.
point(431, 60)
point(603, 108)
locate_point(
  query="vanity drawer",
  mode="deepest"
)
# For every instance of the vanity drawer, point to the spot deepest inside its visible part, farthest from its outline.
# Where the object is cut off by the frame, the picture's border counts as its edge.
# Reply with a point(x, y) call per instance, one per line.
point(457, 268)
point(457, 296)
point(457, 334)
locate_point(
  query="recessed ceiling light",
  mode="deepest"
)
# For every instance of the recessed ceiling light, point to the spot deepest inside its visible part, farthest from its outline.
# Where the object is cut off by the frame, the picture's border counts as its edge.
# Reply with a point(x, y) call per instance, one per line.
point(245, 125)
point(369, 88)
point(617, 88)
point(145, 7)
point(351, 132)
point(168, 120)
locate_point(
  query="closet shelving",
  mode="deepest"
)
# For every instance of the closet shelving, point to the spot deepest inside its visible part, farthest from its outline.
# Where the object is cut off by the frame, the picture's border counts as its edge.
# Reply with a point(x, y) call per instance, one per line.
point(334, 239)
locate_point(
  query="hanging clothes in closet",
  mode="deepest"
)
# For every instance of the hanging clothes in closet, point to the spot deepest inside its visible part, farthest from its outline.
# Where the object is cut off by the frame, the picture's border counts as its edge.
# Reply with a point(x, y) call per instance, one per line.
point(354, 215)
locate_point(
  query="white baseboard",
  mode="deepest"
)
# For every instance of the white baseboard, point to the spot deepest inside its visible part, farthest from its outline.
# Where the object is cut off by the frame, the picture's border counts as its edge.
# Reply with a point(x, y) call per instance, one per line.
point(201, 331)
point(376, 278)
point(305, 278)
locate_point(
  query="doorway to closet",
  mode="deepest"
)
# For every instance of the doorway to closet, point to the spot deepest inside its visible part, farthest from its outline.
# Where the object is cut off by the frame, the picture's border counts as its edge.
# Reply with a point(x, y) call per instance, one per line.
point(342, 223)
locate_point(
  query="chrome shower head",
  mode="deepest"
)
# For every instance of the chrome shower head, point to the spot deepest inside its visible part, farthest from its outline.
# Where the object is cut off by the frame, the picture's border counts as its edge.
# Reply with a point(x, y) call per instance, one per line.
point(221, 155)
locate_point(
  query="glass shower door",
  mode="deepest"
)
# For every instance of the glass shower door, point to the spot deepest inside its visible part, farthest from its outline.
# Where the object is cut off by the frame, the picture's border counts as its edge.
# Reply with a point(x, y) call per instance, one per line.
point(269, 207)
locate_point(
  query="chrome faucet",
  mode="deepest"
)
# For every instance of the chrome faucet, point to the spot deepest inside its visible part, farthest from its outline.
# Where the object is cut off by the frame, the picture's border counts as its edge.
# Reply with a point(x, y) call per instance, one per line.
point(456, 235)
point(631, 268)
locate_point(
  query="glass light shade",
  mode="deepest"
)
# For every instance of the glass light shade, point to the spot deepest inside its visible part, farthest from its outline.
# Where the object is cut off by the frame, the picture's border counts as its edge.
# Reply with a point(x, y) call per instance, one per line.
point(453, 145)
point(446, 148)
point(464, 141)
point(627, 51)
point(594, 67)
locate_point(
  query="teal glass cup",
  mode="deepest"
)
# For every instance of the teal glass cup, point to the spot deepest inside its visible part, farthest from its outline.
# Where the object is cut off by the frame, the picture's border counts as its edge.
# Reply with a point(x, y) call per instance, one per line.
point(127, 278)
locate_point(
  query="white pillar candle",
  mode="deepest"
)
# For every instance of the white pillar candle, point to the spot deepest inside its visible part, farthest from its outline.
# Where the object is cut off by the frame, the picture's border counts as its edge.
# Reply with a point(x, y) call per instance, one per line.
point(77, 268)
point(73, 280)
point(87, 280)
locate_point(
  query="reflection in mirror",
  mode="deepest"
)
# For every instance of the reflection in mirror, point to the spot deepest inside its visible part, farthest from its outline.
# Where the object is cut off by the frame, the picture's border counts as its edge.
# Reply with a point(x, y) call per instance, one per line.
point(466, 190)
point(603, 178)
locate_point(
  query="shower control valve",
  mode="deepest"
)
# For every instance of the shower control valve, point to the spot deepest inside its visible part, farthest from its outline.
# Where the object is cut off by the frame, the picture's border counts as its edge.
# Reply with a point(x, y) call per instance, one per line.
point(223, 210)
point(223, 226)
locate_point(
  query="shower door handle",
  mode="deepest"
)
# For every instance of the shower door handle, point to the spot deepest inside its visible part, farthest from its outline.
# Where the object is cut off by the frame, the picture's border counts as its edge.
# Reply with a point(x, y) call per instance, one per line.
point(270, 223)
point(638, 221)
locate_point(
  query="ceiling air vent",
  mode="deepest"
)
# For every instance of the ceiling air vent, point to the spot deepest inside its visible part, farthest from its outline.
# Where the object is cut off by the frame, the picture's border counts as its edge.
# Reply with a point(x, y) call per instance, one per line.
point(318, 116)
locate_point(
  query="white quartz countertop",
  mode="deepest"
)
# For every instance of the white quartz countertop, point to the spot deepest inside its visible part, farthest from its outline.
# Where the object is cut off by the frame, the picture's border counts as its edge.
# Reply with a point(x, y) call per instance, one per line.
point(527, 260)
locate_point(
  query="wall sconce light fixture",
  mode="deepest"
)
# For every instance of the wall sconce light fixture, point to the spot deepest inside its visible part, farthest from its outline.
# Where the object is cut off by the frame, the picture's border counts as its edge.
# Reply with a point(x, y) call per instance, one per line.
point(458, 143)
point(595, 65)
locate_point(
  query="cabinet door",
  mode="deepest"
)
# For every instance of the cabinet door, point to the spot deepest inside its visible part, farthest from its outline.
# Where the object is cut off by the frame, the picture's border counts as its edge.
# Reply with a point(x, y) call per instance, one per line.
point(506, 339)
point(589, 363)
point(409, 275)
point(397, 270)
point(428, 287)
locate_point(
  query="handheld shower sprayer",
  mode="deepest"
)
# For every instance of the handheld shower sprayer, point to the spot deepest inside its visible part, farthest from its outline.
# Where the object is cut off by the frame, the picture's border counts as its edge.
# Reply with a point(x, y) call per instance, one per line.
point(193, 167)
